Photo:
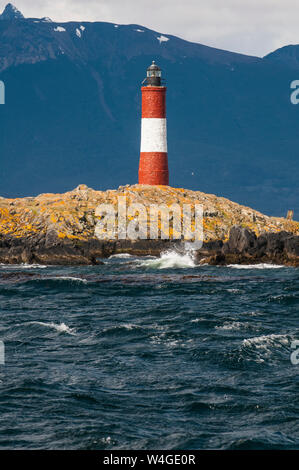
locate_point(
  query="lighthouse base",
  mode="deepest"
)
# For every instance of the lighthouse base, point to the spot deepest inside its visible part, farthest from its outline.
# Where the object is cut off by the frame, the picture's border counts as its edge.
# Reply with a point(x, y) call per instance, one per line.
point(153, 168)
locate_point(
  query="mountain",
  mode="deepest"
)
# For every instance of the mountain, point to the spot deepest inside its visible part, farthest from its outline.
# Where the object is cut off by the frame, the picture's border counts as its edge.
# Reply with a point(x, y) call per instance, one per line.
point(11, 13)
point(72, 113)
point(287, 55)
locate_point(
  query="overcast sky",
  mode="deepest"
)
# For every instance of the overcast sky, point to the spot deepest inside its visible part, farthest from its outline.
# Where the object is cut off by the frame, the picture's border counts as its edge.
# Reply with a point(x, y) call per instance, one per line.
point(253, 27)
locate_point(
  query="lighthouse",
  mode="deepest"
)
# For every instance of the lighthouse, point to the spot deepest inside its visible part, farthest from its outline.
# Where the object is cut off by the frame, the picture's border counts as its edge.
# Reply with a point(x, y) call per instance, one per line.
point(153, 165)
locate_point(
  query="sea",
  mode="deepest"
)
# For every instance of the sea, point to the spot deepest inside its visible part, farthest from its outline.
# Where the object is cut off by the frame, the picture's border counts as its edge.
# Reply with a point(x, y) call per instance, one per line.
point(149, 353)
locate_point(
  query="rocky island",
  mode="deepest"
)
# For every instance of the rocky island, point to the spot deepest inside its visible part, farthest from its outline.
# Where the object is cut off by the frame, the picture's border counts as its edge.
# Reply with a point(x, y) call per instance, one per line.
point(59, 229)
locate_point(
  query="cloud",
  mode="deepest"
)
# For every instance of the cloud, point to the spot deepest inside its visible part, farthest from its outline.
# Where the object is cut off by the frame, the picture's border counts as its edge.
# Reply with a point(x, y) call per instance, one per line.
point(253, 27)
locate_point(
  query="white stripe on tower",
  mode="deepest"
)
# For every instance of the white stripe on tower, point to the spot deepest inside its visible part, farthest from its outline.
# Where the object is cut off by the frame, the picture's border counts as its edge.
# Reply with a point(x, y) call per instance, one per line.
point(153, 135)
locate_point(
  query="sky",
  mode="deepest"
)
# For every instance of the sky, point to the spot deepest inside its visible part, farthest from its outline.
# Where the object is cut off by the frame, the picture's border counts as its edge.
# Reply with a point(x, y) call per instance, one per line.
point(254, 27)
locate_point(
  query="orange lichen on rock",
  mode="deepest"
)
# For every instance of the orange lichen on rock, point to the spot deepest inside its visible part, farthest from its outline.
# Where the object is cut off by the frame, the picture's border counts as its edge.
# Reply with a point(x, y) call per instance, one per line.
point(72, 215)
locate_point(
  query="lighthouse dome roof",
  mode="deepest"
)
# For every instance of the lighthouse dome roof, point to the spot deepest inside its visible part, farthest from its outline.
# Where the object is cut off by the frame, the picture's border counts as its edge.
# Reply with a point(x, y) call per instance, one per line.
point(154, 66)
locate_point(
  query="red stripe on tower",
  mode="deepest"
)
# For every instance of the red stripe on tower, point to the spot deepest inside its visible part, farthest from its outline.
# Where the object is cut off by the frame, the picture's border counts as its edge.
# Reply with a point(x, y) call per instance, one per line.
point(153, 165)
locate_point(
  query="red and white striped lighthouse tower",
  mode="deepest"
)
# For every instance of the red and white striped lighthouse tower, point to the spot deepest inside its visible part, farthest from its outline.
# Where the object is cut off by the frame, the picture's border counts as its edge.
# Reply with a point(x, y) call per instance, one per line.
point(153, 165)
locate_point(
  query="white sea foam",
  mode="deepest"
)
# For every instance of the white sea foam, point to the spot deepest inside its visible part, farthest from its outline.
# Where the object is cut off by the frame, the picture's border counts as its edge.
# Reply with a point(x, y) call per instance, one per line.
point(33, 266)
point(23, 266)
point(68, 278)
point(120, 256)
point(234, 325)
point(264, 341)
point(129, 326)
point(170, 259)
point(265, 347)
point(106, 440)
point(169, 342)
point(255, 266)
point(125, 326)
point(61, 328)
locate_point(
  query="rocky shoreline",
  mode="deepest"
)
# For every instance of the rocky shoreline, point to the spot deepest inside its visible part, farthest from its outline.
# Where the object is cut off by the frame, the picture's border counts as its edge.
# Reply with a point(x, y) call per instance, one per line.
point(242, 247)
point(59, 229)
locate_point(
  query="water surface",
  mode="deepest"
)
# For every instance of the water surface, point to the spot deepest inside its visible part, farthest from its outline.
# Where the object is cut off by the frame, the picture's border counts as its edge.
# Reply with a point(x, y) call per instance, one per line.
point(149, 354)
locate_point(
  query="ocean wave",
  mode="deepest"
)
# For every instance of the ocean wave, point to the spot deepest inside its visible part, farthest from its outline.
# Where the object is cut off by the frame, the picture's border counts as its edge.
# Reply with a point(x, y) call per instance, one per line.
point(128, 326)
point(255, 266)
point(39, 279)
point(58, 278)
point(264, 347)
point(124, 326)
point(61, 327)
point(24, 266)
point(169, 342)
point(265, 340)
point(121, 256)
point(168, 260)
point(66, 278)
point(106, 440)
point(286, 299)
point(235, 325)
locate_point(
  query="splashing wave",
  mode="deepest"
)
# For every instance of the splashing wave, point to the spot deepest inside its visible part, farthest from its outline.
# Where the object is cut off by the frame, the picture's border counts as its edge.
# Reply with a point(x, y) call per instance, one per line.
point(61, 328)
point(256, 266)
point(170, 259)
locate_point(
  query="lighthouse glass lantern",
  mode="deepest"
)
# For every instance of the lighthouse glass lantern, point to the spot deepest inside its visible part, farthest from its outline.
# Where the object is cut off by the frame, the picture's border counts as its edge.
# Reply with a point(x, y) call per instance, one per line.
point(153, 75)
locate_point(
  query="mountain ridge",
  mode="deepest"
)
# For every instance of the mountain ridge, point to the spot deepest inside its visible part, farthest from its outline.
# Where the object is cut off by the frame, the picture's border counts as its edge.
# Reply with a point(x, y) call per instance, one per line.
point(10, 12)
